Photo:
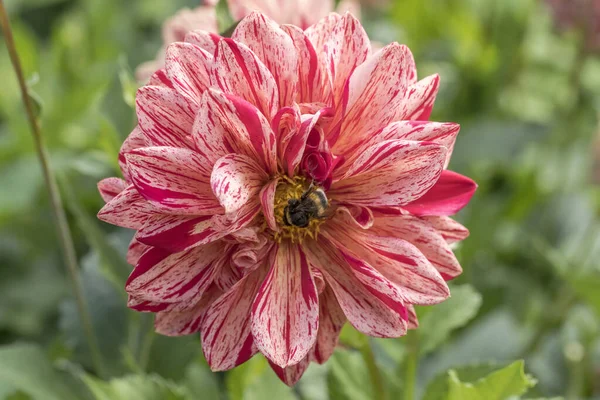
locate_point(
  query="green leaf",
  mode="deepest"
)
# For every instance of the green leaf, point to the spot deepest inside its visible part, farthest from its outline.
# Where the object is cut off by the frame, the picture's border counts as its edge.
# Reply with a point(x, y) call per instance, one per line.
point(438, 387)
point(18, 396)
point(439, 322)
point(225, 21)
point(26, 368)
point(499, 385)
point(135, 387)
point(254, 380)
point(348, 377)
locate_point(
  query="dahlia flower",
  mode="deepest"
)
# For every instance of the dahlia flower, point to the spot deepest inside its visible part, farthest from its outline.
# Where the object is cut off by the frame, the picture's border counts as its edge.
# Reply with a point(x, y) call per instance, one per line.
point(283, 182)
point(301, 13)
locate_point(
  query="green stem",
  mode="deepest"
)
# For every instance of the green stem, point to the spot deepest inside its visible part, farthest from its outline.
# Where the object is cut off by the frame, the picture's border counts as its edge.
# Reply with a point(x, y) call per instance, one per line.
point(64, 234)
point(147, 340)
point(374, 372)
point(411, 364)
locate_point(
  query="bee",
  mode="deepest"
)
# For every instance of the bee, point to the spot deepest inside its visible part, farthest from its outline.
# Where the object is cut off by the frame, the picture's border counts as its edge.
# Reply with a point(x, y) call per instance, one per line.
point(312, 204)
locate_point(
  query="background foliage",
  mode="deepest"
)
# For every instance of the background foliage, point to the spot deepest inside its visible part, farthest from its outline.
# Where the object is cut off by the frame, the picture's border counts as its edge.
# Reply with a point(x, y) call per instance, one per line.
point(527, 98)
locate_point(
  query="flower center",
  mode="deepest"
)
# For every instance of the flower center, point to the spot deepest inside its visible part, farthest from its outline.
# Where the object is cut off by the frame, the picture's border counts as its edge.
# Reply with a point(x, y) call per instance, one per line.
point(299, 209)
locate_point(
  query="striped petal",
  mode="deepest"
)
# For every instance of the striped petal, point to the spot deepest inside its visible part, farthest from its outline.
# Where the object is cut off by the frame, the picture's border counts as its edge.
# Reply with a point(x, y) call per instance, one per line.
point(164, 277)
point(391, 173)
point(188, 321)
point(244, 129)
point(423, 236)
point(370, 302)
point(235, 179)
point(451, 230)
point(128, 210)
point(372, 96)
point(267, 200)
point(297, 144)
point(109, 188)
point(413, 322)
point(225, 332)
point(274, 47)
point(390, 253)
point(419, 99)
point(331, 321)
point(165, 116)
point(135, 140)
point(239, 71)
point(292, 374)
point(188, 67)
point(135, 251)
point(203, 39)
point(447, 197)
point(285, 314)
point(174, 180)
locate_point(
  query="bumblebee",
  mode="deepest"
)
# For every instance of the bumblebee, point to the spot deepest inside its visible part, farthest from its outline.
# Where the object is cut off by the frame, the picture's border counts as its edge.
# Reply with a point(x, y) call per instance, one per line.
point(312, 204)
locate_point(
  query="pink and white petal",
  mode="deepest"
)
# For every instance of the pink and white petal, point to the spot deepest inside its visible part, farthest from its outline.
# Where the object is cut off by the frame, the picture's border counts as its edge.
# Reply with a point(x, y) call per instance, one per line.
point(295, 147)
point(244, 128)
point(313, 83)
point(187, 321)
point(285, 313)
point(226, 334)
point(292, 374)
point(267, 200)
point(135, 140)
point(319, 33)
point(391, 173)
point(173, 180)
point(135, 251)
point(419, 100)
point(423, 236)
point(203, 39)
point(128, 210)
point(235, 179)
point(158, 77)
point(210, 129)
point(361, 216)
point(109, 188)
point(443, 134)
point(372, 308)
point(188, 69)
point(373, 94)
point(165, 116)
point(347, 47)
point(239, 71)
point(176, 233)
point(413, 322)
point(235, 221)
point(274, 47)
point(331, 321)
point(147, 306)
point(399, 261)
point(170, 278)
point(447, 197)
point(450, 230)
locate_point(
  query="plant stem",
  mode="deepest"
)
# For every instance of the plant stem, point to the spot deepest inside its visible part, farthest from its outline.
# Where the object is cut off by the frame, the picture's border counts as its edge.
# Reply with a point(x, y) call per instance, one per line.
point(410, 365)
point(64, 234)
point(374, 373)
point(147, 338)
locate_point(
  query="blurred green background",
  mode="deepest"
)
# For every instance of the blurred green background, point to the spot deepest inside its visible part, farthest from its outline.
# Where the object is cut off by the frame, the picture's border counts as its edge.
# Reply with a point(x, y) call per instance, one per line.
point(527, 97)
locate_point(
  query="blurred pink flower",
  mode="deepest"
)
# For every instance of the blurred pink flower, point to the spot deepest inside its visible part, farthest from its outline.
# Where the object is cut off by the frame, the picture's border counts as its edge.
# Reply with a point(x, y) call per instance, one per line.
point(232, 135)
point(301, 13)
point(583, 15)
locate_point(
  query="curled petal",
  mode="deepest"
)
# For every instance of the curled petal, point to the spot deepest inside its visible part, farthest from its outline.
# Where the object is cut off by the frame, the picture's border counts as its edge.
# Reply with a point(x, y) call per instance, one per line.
point(135, 251)
point(274, 47)
point(447, 197)
point(359, 215)
point(267, 199)
point(225, 332)
point(128, 209)
point(235, 179)
point(295, 148)
point(413, 322)
point(391, 173)
point(109, 188)
point(285, 314)
point(174, 180)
